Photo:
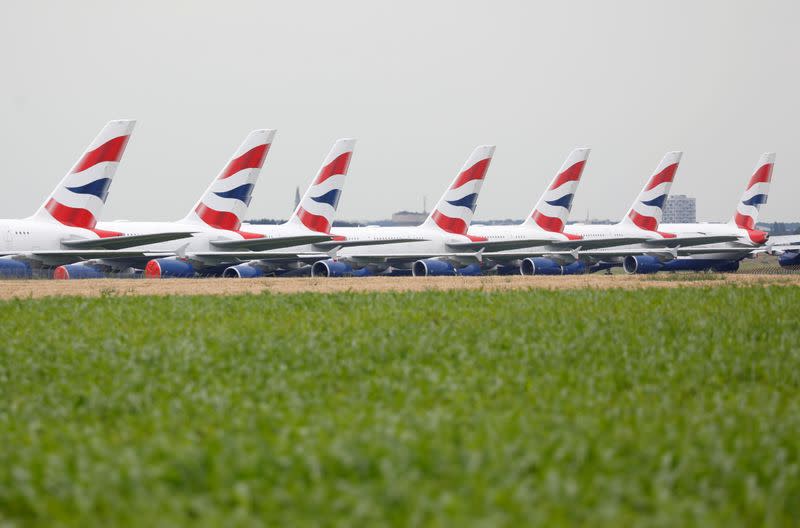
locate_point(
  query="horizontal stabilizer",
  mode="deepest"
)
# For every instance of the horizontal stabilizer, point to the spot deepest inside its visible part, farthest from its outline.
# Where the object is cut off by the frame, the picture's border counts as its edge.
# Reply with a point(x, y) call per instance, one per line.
point(125, 241)
point(267, 243)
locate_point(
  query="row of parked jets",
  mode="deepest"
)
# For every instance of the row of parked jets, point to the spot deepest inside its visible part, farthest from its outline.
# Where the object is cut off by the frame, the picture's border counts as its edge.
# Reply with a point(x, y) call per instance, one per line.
point(65, 239)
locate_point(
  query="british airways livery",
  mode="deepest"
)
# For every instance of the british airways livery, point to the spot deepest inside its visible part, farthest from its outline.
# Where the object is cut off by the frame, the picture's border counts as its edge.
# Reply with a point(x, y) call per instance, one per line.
point(65, 228)
point(215, 218)
point(440, 246)
point(742, 235)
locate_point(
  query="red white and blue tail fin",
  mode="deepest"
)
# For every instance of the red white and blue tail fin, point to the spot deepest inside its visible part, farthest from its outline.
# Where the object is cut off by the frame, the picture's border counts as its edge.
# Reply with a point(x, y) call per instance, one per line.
point(553, 208)
point(453, 213)
point(78, 200)
point(317, 208)
point(755, 194)
point(648, 208)
point(225, 202)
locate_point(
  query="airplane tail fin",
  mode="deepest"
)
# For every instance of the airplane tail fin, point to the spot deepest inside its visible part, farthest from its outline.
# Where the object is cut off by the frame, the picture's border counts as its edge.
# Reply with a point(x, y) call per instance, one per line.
point(756, 193)
point(79, 198)
point(647, 210)
point(453, 213)
point(224, 204)
point(317, 208)
point(553, 208)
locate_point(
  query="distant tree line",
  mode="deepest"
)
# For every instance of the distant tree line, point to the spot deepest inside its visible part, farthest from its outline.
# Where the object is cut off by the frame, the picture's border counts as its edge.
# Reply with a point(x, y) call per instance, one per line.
point(780, 228)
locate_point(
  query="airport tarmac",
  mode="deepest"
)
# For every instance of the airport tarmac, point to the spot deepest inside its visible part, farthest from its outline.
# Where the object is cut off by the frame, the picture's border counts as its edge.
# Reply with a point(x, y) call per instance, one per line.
point(22, 289)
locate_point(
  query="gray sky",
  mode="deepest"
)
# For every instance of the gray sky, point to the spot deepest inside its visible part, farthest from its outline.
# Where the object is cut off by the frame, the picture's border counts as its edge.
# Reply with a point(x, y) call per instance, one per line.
point(419, 83)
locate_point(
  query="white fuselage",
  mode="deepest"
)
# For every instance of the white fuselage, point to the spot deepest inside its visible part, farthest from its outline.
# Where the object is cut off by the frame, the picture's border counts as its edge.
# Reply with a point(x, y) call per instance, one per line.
point(711, 229)
point(32, 235)
point(513, 232)
point(199, 241)
point(402, 254)
point(743, 241)
point(593, 231)
point(286, 229)
point(610, 231)
point(497, 233)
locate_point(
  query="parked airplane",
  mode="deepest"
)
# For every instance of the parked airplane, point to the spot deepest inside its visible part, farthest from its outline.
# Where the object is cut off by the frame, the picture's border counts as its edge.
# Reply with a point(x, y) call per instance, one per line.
point(545, 225)
point(304, 238)
point(212, 223)
point(787, 248)
point(65, 228)
point(741, 230)
point(441, 245)
point(637, 234)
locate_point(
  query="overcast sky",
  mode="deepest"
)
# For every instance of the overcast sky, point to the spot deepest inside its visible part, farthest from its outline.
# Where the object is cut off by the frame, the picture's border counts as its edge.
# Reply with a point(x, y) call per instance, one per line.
point(419, 83)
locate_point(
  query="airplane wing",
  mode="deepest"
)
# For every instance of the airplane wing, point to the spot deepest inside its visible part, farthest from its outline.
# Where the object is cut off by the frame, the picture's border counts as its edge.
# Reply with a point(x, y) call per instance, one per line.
point(125, 241)
point(596, 243)
point(406, 258)
point(267, 243)
point(777, 249)
point(500, 245)
point(783, 243)
point(690, 240)
point(219, 257)
point(565, 248)
point(331, 244)
point(71, 256)
point(600, 254)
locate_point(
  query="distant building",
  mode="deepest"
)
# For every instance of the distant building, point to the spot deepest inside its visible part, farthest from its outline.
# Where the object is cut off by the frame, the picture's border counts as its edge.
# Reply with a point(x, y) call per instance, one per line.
point(408, 218)
point(680, 209)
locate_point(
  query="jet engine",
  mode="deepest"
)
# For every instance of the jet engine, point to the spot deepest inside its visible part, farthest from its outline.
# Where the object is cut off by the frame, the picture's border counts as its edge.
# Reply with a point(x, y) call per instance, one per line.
point(81, 270)
point(14, 269)
point(167, 268)
point(641, 264)
point(432, 268)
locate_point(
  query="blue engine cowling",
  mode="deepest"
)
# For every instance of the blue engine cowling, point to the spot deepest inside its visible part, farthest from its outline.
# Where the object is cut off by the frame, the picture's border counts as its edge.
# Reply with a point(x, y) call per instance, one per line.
point(242, 271)
point(726, 267)
point(641, 264)
point(335, 268)
point(432, 268)
point(507, 270)
point(165, 268)
point(576, 268)
point(602, 266)
point(540, 266)
point(470, 271)
point(693, 264)
point(14, 269)
point(77, 271)
point(789, 259)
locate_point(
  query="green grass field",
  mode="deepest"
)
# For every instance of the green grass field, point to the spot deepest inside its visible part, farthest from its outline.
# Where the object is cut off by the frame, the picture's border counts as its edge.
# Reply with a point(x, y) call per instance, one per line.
point(650, 407)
